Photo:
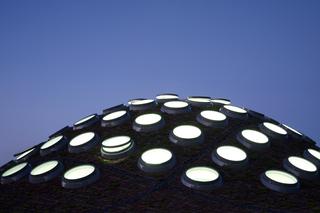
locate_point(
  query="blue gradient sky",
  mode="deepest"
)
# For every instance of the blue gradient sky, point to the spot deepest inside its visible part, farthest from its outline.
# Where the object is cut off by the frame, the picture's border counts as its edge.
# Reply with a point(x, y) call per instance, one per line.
point(62, 60)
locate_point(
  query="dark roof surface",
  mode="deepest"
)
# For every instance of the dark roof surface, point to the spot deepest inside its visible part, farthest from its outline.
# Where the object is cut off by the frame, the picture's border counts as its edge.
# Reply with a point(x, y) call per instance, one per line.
point(123, 187)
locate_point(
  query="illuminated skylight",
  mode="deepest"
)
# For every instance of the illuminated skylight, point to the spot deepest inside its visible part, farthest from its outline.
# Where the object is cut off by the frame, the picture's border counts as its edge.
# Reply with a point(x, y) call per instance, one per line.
point(25, 155)
point(53, 144)
point(201, 178)
point(85, 122)
point(280, 181)
point(80, 176)
point(253, 139)
point(116, 147)
point(148, 122)
point(186, 135)
point(141, 104)
point(166, 97)
point(156, 160)
point(212, 118)
point(301, 167)
point(272, 130)
point(293, 130)
point(175, 107)
point(313, 156)
point(83, 142)
point(230, 156)
point(234, 112)
point(45, 171)
point(115, 118)
point(220, 101)
point(199, 101)
point(85, 119)
point(15, 173)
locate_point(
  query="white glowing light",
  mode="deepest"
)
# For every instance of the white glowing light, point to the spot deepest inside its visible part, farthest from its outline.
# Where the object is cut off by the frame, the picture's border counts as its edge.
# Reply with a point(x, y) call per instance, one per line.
point(293, 130)
point(114, 115)
point(235, 109)
point(255, 136)
point(116, 141)
point(221, 101)
point(176, 104)
point(51, 142)
point(79, 172)
point(156, 156)
point(24, 154)
point(231, 153)
point(116, 149)
point(199, 99)
point(187, 131)
point(213, 115)
point(167, 96)
point(302, 164)
point(44, 167)
point(83, 120)
point(148, 119)
point(202, 174)
point(14, 169)
point(314, 153)
point(82, 139)
point(275, 128)
point(140, 102)
point(116, 144)
point(281, 177)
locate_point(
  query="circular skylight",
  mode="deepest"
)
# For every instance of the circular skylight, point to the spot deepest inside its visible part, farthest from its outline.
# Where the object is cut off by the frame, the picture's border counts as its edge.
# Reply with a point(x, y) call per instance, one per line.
point(25, 155)
point(115, 118)
point(148, 122)
point(114, 115)
point(45, 171)
point(80, 176)
point(235, 109)
point(85, 119)
point(15, 173)
point(234, 112)
point(156, 160)
point(212, 118)
point(176, 104)
point(166, 97)
point(199, 101)
point(253, 139)
point(53, 144)
point(44, 167)
point(301, 167)
point(116, 147)
point(293, 130)
point(201, 178)
point(175, 107)
point(221, 101)
point(230, 156)
point(313, 156)
point(272, 130)
point(280, 181)
point(83, 142)
point(85, 122)
point(186, 135)
point(141, 104)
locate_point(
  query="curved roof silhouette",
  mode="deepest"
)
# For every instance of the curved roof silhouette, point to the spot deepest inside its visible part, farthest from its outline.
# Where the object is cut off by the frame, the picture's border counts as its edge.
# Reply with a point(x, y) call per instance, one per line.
point(194, 155)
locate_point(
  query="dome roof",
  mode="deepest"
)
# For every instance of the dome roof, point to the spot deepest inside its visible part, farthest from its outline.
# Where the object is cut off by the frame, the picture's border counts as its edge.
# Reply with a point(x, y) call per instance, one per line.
point(206, 154)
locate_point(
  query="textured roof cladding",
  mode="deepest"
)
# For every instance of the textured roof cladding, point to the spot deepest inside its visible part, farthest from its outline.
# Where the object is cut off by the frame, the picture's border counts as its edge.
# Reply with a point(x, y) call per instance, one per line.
point(124, 187)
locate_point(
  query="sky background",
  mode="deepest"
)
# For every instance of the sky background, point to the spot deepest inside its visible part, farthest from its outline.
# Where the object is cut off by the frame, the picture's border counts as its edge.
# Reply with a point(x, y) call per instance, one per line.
point(64, 59)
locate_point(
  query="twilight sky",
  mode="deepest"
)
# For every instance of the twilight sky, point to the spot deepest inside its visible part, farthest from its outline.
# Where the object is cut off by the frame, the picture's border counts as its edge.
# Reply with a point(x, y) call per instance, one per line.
point(64, 59)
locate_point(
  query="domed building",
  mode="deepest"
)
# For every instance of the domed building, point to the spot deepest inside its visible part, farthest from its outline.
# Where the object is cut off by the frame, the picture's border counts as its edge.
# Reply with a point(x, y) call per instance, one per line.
point(167, 154)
